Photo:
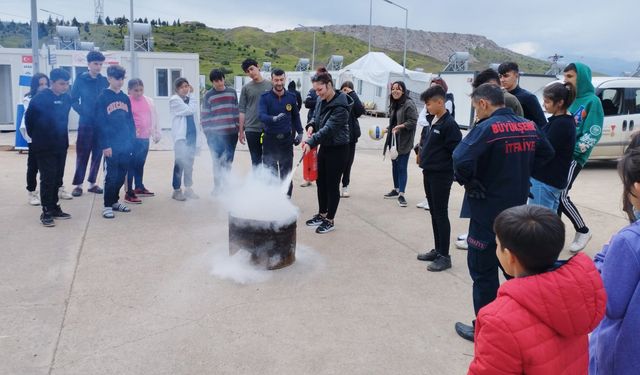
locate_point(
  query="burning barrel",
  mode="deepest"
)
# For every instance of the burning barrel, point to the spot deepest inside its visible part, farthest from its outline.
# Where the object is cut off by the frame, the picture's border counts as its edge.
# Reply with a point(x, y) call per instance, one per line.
point(271, 243)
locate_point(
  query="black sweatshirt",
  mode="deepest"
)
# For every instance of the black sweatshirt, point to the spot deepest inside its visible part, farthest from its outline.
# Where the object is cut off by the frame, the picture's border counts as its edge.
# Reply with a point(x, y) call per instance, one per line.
point(115, 122)
point(561, 133)
point(530, 106)
point(438, 144)
point(47, 122)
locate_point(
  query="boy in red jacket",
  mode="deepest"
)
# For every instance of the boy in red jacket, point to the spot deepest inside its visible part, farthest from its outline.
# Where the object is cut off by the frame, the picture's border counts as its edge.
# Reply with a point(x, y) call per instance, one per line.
point(539, 322)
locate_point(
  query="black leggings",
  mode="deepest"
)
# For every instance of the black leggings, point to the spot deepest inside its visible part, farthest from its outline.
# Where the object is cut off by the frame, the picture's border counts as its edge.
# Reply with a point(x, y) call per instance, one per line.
point(346, 177)
point(332, 160)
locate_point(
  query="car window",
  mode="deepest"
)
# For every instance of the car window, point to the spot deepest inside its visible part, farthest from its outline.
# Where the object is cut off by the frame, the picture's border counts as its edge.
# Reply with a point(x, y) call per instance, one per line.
point(611, 101)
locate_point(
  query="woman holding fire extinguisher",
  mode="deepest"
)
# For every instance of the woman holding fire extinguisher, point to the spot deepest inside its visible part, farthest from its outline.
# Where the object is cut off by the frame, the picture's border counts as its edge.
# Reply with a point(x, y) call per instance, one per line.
point(329, 129)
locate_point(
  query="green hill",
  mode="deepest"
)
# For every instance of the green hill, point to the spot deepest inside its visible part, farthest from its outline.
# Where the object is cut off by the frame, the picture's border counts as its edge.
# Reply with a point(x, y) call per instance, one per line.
point(226, 48)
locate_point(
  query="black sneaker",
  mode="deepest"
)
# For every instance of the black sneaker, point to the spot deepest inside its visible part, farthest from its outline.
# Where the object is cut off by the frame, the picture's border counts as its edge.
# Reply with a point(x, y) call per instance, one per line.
point(47, 220)
point(401, 201)
point(316, 220)
point(465, 331)
point(58, 214)
point(440, 264)
point(392, 194)
point(429, 256)
point(325, 227)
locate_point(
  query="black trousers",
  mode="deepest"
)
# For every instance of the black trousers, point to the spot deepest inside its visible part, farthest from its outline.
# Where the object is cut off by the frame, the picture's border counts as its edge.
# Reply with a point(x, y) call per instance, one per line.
point(483, 263)
point(277, 155)
point(566, 205)
point(32, 171)
point(51, 165)
point(117, 168)
point(332, 160)
point(346, 176)
point(255, 147)
point(437, 188)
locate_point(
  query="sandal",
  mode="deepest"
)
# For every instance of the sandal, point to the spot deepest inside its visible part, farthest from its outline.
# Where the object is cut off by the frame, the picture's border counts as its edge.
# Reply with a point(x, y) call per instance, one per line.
point(107, 213)
point(120, 207)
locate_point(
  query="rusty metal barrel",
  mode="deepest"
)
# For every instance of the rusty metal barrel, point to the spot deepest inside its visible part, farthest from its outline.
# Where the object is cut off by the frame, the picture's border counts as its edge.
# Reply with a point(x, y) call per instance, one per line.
point(271, 244)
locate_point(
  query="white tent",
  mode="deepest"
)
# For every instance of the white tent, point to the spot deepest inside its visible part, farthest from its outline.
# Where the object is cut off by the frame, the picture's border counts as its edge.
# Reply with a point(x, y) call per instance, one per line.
point(372, 75)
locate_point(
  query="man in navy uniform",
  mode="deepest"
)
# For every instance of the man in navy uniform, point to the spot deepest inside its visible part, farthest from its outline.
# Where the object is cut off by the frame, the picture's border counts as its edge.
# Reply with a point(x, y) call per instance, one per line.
point(278, 111)
point(494, 162)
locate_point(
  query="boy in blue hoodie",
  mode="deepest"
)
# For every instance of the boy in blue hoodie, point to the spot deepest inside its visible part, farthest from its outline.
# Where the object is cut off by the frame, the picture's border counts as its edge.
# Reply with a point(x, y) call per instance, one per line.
point(117, 133)
point(47, 121)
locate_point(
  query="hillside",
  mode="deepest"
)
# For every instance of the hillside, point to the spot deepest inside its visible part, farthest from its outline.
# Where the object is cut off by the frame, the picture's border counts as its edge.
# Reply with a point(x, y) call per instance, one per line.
point(227, 48)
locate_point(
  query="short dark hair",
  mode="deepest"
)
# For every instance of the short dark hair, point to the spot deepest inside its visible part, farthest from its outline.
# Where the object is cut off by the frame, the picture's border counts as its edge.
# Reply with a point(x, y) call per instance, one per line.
point(247, 63)
point(534, 234)
point(484, 77)
point(95, 56)
point(569, 67)
point(58, 74)
point(348, 84)
point(433, 92)
point(508, 66)
point(560, 91)
point(179, 82)
point(134, 82)
point(277, 72)
point(292, 86)
point(489, 92)
point(216, 75)
point(116, 71)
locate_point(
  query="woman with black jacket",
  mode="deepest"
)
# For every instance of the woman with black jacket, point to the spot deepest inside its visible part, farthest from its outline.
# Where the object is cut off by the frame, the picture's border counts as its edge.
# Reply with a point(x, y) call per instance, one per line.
point(403, 117)
point(354, 133)
point(329, 129)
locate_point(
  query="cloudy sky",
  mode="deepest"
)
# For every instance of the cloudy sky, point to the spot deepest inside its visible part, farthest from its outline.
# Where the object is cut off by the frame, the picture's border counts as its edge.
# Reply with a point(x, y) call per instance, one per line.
point(594, 28)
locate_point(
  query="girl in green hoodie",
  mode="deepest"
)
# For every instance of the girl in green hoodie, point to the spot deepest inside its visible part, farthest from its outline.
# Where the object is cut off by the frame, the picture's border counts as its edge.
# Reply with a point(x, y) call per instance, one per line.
point(589, 116)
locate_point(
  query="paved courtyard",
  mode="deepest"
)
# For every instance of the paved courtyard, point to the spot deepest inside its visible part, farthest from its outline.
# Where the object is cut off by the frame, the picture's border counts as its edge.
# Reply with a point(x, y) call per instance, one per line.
point(154, 292)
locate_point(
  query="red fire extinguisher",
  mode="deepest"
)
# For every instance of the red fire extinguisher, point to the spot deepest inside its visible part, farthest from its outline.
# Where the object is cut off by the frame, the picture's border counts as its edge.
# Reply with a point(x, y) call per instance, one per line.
point(310, 165)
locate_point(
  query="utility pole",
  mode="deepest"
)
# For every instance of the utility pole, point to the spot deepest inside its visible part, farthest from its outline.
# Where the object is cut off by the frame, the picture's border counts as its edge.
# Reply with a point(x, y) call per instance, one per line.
point(34, 37)
point(370, 21)
point(134, 63)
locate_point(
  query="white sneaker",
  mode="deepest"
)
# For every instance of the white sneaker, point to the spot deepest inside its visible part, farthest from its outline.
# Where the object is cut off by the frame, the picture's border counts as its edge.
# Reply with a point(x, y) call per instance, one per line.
point(345, 192)
point(63, 194)
point(462, 236)
point(579, 241)
point(34, 198)
point(462, 244)
point(424, 204)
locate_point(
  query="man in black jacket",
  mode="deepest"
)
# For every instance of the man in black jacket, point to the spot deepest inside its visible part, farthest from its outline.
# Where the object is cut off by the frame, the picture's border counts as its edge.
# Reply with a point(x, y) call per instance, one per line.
point(437, 173)
point(84, 94)
point(509, 77)
point(47, 120)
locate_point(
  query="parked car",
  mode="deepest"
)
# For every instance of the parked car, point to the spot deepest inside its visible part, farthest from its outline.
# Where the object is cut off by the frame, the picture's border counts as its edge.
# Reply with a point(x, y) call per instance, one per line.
point(620, 98)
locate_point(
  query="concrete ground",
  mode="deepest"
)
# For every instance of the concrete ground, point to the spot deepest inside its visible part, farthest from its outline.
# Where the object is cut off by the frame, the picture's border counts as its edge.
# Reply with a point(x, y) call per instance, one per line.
point(153, 291)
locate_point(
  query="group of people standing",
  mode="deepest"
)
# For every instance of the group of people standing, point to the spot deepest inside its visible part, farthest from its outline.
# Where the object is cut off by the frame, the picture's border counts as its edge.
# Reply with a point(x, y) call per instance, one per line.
point(106, 128)
point(517, 168)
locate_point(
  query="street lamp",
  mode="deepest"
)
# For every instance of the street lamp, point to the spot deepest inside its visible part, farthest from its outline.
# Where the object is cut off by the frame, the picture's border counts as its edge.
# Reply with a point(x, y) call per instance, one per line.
point(313, 53)
point(406, 23)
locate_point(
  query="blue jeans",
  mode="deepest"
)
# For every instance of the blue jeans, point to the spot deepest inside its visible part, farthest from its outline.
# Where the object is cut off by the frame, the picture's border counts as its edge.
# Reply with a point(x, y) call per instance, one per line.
point(223, 149)
point(136, 168)
point(544, 195)
point(399, 171)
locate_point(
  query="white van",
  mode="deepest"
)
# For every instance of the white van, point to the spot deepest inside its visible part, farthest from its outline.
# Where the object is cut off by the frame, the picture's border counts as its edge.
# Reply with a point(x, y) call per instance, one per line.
point(620, 98)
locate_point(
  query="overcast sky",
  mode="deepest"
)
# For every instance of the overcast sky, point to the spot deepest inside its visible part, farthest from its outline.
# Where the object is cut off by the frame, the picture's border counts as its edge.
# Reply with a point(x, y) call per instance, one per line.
point(603, 29)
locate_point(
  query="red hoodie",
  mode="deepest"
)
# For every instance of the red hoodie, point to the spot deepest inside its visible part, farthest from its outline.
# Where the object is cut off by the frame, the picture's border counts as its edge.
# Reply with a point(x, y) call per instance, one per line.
point(539, 324)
